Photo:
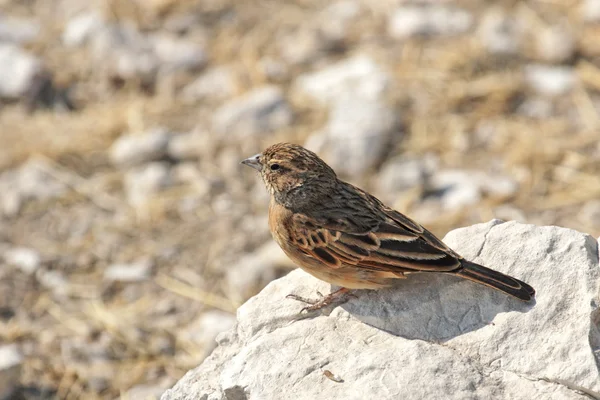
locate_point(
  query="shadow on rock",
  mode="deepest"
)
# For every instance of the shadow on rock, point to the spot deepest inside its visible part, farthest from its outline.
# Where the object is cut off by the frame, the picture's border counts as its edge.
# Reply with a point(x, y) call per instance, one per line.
point(432, 307)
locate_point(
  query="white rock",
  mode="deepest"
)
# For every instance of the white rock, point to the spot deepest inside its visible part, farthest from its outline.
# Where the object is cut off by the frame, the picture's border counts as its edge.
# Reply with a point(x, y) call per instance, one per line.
point(144, 181)
point(139, 148)
point(336, 19)
point(26, 259)
point(217, 83)
point(540, 107)
point(54, 281)
point(460, 188)
point(124, 52)
point(18, 30)
point(18, 69)
point(81, 28)
point(320, 35)
point(403, 173)
point(10, 370)
point(409, 21)
point(356, 136)
point(431, 334)
point(207, 327)
point(590, 10)
point(258, 112)
point(550, 80)
point(590, 213)
point(178, 54)
point(302, 46)
point(256, 269)
point(150, 391)
point(358, 76)
point(132, 272)
point(31, 181)
point(556, 44)
point(190, 146)
point(500, 32)
point(274, 69)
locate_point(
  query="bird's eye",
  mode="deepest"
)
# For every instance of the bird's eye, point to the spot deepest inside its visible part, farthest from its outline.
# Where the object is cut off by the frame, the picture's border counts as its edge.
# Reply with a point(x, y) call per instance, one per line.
point(274, 167)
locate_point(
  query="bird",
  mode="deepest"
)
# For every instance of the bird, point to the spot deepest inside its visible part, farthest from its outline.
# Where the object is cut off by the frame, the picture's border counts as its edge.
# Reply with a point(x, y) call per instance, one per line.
point(347, 237)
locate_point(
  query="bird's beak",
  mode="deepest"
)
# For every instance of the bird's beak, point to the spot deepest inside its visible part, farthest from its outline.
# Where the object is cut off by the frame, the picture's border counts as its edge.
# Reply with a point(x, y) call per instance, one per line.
point(253, 162)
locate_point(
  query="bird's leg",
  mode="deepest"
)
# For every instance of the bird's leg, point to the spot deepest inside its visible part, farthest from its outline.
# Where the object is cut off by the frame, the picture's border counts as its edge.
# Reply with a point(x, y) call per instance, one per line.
point(340, 296)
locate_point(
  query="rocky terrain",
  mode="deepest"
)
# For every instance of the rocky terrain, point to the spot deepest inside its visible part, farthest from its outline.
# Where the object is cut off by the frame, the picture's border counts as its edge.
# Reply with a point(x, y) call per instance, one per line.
point(130, 234)
point(433, 336)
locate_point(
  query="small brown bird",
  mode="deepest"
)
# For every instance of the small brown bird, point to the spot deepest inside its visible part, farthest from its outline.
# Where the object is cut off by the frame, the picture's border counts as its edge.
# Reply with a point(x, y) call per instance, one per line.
point(347, 237)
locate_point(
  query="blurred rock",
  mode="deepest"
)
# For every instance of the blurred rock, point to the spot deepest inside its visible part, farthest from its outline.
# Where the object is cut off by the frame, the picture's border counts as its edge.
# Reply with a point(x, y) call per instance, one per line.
point(550, 80)
point(590, 10)
point(536, 107)
point(556, 44)
point(147, 391)
point(53, 280)
point(18, 30)
point(357, 135)
point(178, 54)
point(259, 112)
point(460, 188)
point(403, 173)
point(409, 21)
point(336, 20)
point(182, 23)
point(80, 29)
point(215, 84)
point(134, 149)
point(507, 212)
point(358, 76)
point(132, 272)
point(274, 70)
point(125, 53)
point(590, 213)
point(34, 180)
point(317, 37)
point(26, 259)
point(500, 32)
point(189, 173)
point(255, 270)
point(302, 46)
point(10, 370)
point(144, 181)
point(205, 329)
point(18, 70)
point(190, 146)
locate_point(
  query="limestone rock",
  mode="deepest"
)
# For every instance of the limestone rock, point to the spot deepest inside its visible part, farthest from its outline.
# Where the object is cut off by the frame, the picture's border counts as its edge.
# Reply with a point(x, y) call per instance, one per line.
point(358, 76)
point(258, 112)
point(357, 135)
point(410, 21)
point(133, 149)
point(11, 361)
point(18, 69)
point(431, 334)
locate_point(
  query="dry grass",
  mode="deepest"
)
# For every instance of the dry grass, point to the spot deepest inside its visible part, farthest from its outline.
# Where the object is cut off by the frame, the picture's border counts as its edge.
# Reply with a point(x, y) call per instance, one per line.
point(97, 339)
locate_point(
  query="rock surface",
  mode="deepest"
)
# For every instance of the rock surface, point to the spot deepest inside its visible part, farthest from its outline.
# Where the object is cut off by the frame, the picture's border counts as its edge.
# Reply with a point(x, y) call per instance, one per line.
point(430, 335)
point(10, 369)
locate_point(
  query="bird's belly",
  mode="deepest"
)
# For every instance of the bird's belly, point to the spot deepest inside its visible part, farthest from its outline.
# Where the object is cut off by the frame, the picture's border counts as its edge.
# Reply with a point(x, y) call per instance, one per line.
point(348, 276)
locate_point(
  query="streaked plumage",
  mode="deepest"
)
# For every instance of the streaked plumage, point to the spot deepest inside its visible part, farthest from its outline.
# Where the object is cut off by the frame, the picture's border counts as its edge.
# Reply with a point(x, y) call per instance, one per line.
point(347, 237)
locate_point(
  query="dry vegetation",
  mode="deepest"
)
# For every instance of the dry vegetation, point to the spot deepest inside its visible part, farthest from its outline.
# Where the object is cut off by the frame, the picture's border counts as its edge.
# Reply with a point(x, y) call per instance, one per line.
point(91, 338)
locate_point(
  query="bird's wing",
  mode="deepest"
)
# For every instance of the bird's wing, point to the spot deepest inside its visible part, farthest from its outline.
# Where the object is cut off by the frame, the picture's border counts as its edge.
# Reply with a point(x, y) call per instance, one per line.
point(394, 244)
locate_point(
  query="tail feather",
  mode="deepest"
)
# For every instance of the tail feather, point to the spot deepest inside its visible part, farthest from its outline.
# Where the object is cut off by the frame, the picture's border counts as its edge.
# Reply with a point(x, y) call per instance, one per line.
point(497, 280)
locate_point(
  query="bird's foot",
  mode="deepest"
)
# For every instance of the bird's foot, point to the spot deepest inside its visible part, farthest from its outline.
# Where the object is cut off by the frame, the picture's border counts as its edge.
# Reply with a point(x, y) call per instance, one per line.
point(339, 297)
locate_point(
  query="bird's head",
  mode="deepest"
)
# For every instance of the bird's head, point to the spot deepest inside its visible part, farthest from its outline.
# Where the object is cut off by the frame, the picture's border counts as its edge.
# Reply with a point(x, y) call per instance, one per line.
point(291, 173)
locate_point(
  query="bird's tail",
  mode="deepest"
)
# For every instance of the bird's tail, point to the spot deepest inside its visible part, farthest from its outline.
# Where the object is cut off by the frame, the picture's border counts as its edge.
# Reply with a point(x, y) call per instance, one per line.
point(489, 277)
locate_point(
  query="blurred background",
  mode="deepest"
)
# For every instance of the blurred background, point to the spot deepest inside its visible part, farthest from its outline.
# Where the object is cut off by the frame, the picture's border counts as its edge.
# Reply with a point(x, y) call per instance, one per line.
point(130, 233)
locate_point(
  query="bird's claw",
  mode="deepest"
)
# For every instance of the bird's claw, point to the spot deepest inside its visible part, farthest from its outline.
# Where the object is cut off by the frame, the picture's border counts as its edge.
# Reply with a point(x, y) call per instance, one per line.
point(340, 296)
